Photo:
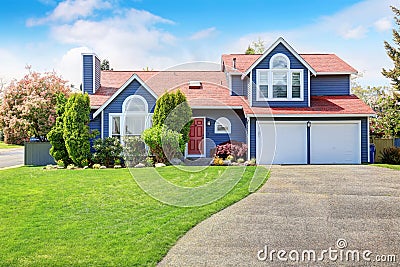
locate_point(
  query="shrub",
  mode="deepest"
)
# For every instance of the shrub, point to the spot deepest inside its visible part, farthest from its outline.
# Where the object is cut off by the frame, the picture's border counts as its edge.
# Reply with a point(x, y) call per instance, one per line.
point(390, 155)
point(134, 150)
point(107, 151)
point(76, 130)
point(235, 149)
point(173, 111)
point(1, 135)
point(58, 149)
point(240, 160)
point(164, 143)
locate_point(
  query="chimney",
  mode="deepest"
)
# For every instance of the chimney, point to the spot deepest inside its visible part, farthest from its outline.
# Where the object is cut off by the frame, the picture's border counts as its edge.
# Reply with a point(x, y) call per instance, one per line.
point(91, 73)
point(234, 63)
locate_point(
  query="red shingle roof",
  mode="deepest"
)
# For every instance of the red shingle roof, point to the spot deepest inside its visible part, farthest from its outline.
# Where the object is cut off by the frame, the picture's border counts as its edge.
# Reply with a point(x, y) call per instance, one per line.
point(319, 62)
point(335, 105)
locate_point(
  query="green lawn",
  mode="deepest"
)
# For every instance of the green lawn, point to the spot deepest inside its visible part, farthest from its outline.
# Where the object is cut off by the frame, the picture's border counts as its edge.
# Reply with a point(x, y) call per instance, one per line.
point(389, 166)
point(5, 146)
point(97, 217)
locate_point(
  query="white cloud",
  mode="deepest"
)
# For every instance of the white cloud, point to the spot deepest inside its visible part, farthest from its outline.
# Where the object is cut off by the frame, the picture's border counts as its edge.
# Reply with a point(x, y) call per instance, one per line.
point(383, 24)
point(355, 33)
point(350, 33)
point(203, 34)
point(11, 67)
point(70, 10)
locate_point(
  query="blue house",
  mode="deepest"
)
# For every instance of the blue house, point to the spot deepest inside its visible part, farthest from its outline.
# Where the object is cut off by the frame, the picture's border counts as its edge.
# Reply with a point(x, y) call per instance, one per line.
point(289, 108)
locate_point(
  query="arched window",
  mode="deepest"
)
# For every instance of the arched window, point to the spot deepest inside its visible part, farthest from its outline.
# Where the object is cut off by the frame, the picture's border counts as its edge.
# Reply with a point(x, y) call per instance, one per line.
point(135, 104)
point(223, 125)
point(279, 61)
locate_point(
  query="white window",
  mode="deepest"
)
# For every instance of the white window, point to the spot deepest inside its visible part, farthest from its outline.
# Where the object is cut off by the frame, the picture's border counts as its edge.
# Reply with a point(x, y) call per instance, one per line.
point(134, 119)
point(223, 125)
point(115, 126)
point(279, 82)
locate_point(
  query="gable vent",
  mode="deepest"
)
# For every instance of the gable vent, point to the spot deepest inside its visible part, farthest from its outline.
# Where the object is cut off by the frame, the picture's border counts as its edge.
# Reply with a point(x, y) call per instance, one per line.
point(194, 85)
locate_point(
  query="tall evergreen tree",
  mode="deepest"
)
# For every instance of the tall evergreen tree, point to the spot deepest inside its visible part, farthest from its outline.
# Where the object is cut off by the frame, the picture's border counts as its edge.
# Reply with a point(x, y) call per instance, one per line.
point(394, 53)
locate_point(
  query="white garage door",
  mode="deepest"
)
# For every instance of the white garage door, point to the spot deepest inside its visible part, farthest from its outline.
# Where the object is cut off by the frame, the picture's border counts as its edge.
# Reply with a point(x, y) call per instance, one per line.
point(282, 142)
point(335, 142)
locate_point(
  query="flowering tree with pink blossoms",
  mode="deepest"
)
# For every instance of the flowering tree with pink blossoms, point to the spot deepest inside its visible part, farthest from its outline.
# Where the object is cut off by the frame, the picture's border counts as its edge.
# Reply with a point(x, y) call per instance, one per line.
point(29, 106)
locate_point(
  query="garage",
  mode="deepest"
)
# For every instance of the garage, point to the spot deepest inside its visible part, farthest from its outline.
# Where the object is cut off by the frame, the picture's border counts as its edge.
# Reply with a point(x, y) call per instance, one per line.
point(321, 142)
point(335, 142)
point(282, 142)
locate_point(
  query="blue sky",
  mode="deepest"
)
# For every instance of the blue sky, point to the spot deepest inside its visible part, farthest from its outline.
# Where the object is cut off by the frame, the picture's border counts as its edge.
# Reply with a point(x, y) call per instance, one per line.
point(133, 34)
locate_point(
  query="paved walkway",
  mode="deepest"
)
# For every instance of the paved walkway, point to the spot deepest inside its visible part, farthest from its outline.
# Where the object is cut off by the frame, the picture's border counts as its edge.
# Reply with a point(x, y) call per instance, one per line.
point(11, 157)
point(302, 208)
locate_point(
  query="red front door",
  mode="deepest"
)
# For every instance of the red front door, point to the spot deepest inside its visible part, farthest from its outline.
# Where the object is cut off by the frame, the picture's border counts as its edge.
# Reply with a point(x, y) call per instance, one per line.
point(196, 136)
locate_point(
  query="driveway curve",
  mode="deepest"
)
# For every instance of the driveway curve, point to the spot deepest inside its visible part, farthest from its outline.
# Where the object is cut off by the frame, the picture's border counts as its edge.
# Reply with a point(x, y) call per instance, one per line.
point(351, 209)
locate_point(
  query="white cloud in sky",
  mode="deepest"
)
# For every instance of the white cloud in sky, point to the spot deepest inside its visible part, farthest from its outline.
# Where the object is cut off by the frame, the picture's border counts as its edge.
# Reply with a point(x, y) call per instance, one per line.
point(383, 24)
point(11, 67)
point(352, 33)
point(203, 34)
point(70, 10)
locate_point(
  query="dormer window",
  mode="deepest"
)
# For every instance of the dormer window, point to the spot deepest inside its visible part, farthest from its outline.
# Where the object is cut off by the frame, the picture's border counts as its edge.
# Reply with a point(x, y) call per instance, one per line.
point(280, 61)
point(279, 82)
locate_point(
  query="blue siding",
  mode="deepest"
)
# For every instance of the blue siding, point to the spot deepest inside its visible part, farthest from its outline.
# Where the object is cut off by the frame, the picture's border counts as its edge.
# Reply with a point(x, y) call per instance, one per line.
point(330, 85)
point(94, 124)
point(115, 106)
point(294, 64)
point(238, 127)
point(97, 72)
point(239, 86)
point(364, 140)
point(88, 74)
point(253, 147)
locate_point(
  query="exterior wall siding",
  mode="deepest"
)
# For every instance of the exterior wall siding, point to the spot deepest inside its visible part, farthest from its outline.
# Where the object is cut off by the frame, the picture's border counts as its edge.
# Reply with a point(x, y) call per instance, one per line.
point(116, 105)
point(97, 72)
point(294, 64)
point(364, 133)
point(88, 74)
point(238, 127)
point(94, 124)
point(330, 85)
point(239, 86)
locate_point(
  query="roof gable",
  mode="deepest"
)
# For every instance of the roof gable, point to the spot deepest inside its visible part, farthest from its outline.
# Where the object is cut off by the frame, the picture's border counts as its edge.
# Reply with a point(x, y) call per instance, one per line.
point(122, 88)
point(271, 48)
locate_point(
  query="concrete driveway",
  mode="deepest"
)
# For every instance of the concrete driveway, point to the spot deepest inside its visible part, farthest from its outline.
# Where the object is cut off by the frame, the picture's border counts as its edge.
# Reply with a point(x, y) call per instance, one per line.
point(11, 157)
point(353, 210)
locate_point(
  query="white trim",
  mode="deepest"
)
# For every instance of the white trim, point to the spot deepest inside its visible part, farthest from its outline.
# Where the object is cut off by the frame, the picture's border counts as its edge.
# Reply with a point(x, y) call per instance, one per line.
point(129, 81)
point(132, 97)
point(110, 116)
point(251, 88)
point(216, 131)
point(102, 124)
point(94, 74)
point(307, 115)
point(248, 138)
point(270, 77)
point(271, 61)
point(272, 47)
point(204, 141)
point(309, 88)
point(336, 73)
point(217, 107)
point(368, 142)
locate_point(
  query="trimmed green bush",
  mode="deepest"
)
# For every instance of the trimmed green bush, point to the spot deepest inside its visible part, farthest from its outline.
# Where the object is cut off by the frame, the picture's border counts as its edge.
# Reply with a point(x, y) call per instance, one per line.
point(164, 143)
point(76, 130)
point(56, 135)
